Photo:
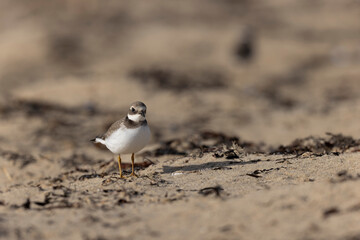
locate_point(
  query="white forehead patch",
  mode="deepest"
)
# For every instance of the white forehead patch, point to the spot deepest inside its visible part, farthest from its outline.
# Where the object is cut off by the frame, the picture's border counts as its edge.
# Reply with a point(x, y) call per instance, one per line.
point(136, 117)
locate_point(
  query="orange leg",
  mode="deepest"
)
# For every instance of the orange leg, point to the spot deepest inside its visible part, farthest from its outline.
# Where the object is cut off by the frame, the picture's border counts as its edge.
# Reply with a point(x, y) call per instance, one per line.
point(119, 161)
point(132, 166)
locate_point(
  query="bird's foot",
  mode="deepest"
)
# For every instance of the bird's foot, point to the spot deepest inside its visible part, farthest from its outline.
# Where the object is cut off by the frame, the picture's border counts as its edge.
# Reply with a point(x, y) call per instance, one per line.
point(134, 175)
point(122, 176)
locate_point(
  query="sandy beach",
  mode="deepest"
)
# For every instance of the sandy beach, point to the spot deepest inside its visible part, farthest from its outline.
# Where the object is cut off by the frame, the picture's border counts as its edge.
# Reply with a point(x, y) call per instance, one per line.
point(254, 109)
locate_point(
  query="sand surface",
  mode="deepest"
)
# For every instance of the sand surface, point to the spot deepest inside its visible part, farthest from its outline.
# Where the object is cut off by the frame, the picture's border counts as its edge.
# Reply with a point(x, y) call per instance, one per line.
point(259, 146)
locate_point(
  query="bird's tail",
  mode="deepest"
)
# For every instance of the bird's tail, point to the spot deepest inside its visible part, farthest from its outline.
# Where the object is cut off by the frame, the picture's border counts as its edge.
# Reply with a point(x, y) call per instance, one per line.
point(98, 140)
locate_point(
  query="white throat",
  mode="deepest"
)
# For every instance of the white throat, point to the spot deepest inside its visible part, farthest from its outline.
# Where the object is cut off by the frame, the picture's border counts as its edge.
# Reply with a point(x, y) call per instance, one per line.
point(136, 117)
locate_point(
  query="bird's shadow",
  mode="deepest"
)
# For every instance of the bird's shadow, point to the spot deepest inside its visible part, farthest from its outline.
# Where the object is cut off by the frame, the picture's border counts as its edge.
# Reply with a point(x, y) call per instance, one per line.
point(212, 165)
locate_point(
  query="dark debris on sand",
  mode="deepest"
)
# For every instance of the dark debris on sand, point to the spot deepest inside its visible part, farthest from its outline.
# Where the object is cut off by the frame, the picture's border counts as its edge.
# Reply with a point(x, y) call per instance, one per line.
point(344, 176)
point(175, 80)
point(211, 190)
point(205, 142)
point(333, 143)
point(21, 159)
point(77, 160)
point(231, 147)
point(40, 108)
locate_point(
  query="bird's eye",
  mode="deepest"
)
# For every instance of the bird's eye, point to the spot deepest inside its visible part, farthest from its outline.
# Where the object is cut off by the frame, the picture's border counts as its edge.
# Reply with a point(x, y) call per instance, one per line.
point(132, 109)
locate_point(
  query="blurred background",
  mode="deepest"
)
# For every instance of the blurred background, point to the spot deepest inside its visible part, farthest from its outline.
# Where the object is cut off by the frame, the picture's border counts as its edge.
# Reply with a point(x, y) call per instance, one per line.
point(265, 71)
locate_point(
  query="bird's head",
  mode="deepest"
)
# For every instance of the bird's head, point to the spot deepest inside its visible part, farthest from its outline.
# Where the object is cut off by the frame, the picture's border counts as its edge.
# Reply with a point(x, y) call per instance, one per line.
point(137, 112)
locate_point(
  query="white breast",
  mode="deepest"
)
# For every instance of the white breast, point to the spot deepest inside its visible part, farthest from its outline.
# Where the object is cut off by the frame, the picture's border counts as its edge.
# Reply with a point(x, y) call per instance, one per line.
point(126, 140)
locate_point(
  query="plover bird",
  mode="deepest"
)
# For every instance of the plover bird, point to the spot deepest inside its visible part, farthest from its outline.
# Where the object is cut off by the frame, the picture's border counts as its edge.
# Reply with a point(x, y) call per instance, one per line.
point(127, 135)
